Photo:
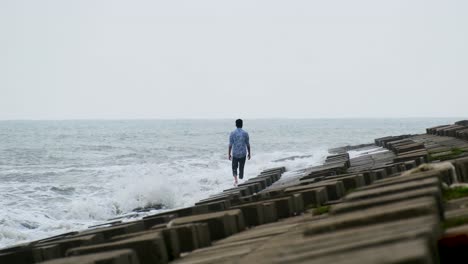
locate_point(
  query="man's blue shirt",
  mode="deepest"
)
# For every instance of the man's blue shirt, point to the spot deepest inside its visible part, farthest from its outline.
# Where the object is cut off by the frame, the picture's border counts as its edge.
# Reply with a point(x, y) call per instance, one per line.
point(239, 140)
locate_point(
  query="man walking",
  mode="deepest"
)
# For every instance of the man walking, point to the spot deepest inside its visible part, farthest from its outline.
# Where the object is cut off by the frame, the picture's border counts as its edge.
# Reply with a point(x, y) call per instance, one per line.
point(240, 147)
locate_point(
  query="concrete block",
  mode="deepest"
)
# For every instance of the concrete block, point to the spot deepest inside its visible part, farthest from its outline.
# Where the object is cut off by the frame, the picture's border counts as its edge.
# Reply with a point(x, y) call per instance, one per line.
point(263, 231)
point(335, 189)
point(411, 251)
point(325, 170)
point(410, 164)
point(149, 248)
point(456, 214)
point(432, 130)
point(187, 236)
point(229, 198)
point(278, 169)
point(378, 174)
point(272, 192)
point(409, 147)
point(150, 221)
point(462, 134)
point(313, 197)
point(219, 223)
point(241, 189)
point(298, 203)
point(462, 123)
point(67, 243)
point(456, 204)
point(216, 255)
point(393, 189)
point(248, 199)
point(254, 187)
point(350, 182)
point(270, 214)
point(426, 206)
point(389, 199)
point(23, 254)
point(237, 218)
point(172, 242)
point(291, 247)
point(119, 229)
point(397, 143)
point(47, 252)
point(272, 177)
point(416, 177)
point(284, 206)
point(60, 237)
point(124, 256)
point(170, 236)
point(187, 211)
point(217, 206)
point(264, 182)
point(461, 167)
point(370, 177)
point(253, 213)
point(412, 156)
point(203, 235)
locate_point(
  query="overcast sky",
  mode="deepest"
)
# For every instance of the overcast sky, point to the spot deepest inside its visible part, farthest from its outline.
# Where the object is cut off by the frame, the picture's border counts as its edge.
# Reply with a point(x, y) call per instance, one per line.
point(223, 59)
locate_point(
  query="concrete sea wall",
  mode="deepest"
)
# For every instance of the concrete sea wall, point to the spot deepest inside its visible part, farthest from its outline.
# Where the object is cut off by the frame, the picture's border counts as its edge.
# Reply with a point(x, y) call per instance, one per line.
point(403, 205)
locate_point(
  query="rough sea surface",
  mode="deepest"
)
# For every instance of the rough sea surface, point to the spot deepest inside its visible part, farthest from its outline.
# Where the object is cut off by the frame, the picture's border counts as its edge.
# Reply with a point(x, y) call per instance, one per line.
point(59, 176)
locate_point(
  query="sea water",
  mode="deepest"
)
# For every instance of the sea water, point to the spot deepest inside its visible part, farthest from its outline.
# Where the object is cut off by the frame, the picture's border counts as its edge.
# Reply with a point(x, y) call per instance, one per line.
point(61, 176)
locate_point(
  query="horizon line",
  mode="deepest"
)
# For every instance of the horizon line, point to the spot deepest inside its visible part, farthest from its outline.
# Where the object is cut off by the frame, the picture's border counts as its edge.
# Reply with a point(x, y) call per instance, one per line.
point(224, 118)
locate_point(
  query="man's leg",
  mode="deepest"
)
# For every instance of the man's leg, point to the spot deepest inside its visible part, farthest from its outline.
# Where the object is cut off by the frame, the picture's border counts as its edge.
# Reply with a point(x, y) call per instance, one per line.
point(241, 167)
point(235, 163)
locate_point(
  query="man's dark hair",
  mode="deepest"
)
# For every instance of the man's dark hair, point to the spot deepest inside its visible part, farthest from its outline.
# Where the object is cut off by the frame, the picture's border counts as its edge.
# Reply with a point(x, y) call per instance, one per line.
point(239, 123)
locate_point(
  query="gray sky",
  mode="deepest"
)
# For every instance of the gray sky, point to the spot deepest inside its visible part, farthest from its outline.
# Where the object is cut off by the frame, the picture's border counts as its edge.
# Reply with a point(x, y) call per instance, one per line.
point(222, 59)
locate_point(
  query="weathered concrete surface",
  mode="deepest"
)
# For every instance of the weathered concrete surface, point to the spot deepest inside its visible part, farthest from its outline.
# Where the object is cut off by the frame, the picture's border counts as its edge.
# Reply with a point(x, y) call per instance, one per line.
point(221, 224)
point(456, 204)
point(124, 256)
point(403, 179)
point(173, 238)
point(67, 243)
point(119, 229)
point(335, 188)
point(150, 221)
point(149, 248)
point(291, 247)
point(386, 213)
point(311, 197)
point(461, 167)
point(393, 189)
point(389, 199)
point(253, 213)
point(412, 251)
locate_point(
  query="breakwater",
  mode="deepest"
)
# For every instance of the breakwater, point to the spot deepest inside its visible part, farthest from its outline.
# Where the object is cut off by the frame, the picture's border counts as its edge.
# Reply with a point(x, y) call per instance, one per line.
point(381, 207)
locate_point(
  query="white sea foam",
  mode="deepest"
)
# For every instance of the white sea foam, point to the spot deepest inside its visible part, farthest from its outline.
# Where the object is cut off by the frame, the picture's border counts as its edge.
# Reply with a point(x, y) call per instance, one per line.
point(174, 184)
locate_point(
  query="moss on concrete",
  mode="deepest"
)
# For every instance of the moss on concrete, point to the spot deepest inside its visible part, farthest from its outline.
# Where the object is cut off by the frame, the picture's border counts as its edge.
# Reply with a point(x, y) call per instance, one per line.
point(446, 155)
point(321, 210)
point(455, 193)
point(454, 222)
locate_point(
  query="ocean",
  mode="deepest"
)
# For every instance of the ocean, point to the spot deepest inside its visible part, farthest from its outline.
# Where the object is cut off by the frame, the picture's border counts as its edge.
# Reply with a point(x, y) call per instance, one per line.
point(61, 176)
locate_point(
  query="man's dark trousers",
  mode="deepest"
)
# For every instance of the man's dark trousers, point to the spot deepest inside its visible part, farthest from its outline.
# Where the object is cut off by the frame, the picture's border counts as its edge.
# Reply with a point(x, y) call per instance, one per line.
point(238, 162)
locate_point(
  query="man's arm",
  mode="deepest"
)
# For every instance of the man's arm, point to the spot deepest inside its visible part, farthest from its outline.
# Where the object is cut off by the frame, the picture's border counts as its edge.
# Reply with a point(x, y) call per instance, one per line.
point(231, 141)
point(248, 144)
